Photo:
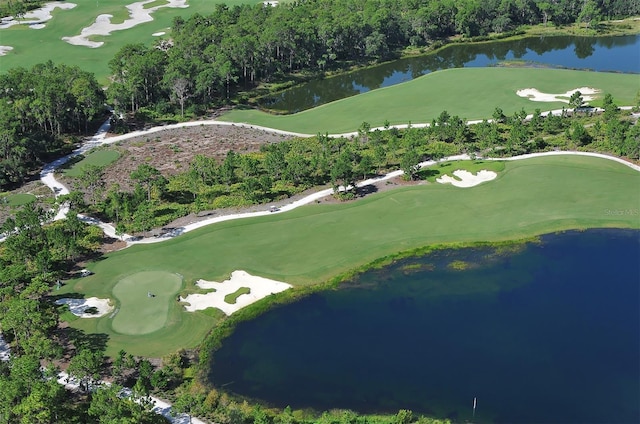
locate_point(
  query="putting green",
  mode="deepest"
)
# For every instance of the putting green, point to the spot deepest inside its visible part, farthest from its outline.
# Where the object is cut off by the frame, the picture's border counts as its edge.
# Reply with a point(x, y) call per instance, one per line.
point(18, 199)
point(140, 313)
point(99, 158)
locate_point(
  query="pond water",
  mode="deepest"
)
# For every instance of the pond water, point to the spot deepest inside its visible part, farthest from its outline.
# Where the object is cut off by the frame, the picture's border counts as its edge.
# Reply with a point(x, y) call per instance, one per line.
point(617, 54)
point(547, 333)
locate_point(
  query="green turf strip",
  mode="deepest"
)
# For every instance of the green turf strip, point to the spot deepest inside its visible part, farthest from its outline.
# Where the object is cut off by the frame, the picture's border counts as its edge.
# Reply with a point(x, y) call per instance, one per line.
point(144, 300)
point(313, 243)
point(232, 298)
point(98, 158)
point(18, 199)
point(470, 93)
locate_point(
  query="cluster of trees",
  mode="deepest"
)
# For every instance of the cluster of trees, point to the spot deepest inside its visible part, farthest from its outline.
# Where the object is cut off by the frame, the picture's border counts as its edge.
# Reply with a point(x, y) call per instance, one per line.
point(17, 8)
point(38, 106)
point(209, 57)
point(34, 258)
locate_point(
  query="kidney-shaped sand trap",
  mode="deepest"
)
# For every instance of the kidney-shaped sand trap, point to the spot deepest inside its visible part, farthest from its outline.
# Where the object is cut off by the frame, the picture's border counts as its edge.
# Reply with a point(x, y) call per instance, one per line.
point(466, 178)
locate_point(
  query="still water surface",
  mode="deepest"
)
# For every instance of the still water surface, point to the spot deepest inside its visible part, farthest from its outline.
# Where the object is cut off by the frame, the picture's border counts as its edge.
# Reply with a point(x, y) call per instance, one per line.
point(550, 333)
point(618, 54)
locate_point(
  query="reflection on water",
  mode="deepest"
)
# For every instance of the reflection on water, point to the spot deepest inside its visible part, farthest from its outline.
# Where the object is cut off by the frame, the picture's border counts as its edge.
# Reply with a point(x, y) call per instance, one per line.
point(547, 333)
point(618, 54)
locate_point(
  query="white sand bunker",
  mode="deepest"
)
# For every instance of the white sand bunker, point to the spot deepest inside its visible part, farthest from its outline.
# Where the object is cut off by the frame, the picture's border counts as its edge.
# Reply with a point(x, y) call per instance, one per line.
point(103, 26)
point(260, 287)
point(466, 178)
point(535, 95)
point(36, 18)
point(79, 307)
point(5, 49)
point(158, 34)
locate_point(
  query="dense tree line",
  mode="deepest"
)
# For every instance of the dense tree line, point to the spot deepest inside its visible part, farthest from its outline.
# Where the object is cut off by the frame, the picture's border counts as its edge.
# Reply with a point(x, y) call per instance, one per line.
point(39, 106)
point(35, 257)
point(209, 57)
point(32, 259)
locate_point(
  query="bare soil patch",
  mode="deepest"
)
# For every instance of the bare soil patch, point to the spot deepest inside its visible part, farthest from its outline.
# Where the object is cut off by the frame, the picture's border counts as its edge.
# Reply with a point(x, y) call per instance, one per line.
point(171, 151)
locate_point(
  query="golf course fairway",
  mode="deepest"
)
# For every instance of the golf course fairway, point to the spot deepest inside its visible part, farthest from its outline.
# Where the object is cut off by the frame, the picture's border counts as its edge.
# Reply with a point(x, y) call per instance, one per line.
point(470, 93)
point(314, 243)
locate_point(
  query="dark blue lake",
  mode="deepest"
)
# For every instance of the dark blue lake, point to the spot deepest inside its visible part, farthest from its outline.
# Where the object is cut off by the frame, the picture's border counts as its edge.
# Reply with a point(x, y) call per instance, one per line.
point(613, 54)
point(548, 332)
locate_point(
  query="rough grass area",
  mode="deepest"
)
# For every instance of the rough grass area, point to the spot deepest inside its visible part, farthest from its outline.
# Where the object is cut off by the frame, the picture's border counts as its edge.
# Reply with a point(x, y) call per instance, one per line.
point(144, 301)
point(314, 243)
point(33, 46)
point(97, 158)
point(470, 93)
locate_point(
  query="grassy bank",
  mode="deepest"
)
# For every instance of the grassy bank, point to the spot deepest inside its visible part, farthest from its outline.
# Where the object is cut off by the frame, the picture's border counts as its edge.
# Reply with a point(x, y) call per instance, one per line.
point(627, 26)
point(315, 243)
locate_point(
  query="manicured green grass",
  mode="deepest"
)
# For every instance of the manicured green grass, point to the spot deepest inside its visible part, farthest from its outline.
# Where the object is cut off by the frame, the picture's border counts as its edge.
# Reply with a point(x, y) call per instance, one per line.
point(97, 158)
point(18, 199)
point(36, 46)
point(314, 243)
point(231, 298)
point(144, 300)
point(470, 93)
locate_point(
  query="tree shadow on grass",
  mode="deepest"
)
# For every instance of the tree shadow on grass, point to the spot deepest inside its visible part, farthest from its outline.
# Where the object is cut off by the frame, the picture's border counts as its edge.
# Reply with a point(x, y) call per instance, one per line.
point(96, 342)
point(428, 173)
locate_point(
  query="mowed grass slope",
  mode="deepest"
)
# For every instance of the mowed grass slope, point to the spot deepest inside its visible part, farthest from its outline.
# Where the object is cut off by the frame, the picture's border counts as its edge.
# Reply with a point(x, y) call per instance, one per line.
point(314, 243)
point(31, 46)
point(471, 93)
